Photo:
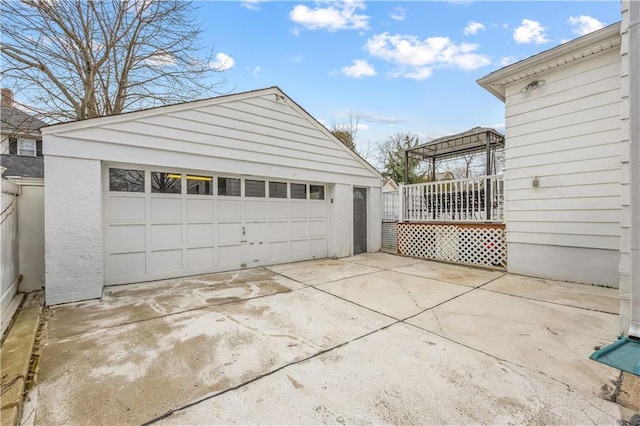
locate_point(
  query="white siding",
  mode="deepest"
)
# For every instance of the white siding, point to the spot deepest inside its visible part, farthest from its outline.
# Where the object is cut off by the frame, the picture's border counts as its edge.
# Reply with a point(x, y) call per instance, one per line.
point(250, 135)
point(567, 135)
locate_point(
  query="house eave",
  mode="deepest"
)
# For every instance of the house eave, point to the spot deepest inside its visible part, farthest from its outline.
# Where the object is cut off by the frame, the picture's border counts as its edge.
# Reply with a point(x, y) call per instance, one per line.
point(591, 44)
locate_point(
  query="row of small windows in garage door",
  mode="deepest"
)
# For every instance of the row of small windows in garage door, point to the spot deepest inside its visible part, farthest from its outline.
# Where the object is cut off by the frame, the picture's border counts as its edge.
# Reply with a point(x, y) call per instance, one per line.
point(128, 180)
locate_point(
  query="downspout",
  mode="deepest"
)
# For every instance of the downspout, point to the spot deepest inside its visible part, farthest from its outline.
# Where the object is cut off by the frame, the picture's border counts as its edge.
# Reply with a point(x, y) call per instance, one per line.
point(634, 136)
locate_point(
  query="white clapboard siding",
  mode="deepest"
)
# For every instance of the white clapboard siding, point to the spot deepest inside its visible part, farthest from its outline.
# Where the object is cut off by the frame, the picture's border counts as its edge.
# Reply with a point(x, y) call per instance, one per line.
point(567, 135)
point(254, 133)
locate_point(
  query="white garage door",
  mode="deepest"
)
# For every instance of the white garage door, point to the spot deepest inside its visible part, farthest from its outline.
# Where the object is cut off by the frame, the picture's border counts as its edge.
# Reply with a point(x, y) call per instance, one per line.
point(168, 223)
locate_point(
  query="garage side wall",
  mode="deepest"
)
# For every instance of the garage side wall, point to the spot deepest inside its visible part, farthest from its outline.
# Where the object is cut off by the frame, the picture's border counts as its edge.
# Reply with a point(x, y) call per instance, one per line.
point(374, 213)
point(73, 223)
point(340, 222)
point(563, 171)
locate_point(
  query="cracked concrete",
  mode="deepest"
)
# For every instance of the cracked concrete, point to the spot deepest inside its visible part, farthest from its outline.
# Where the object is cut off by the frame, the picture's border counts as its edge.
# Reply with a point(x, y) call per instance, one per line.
point(375, 338)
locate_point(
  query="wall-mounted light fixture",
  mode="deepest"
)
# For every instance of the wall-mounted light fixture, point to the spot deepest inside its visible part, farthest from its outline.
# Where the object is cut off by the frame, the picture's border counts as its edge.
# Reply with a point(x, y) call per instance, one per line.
point(532, 85)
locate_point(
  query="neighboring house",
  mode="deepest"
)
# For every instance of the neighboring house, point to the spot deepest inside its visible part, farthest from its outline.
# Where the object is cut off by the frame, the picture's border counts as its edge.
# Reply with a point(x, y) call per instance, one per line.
point(389, 185)
point(570, 141)
point(235, 181)
point(22, 204)
point(20, 131)
point(440, 176)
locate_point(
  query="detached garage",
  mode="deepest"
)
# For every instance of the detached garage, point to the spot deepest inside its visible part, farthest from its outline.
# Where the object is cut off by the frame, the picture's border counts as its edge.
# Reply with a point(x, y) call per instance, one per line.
point(231, 182)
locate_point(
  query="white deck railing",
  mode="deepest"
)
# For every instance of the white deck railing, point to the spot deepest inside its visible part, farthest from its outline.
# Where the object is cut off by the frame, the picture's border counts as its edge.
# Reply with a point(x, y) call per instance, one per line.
point(478, 199)
point(390, 205)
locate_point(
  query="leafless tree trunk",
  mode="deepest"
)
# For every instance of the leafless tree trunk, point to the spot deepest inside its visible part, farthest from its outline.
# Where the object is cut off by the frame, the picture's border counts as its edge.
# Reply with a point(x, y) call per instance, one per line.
point(81, 59)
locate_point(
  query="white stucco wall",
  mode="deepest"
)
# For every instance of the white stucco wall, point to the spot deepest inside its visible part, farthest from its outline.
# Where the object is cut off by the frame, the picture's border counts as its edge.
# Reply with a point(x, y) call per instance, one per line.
point(73, 229)
point(340, 222)
point(9, 236)
point(374, 213)
point(31, 235)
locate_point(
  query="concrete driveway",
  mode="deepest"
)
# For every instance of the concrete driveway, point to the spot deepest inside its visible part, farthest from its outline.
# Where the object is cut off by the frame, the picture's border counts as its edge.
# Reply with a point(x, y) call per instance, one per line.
point(374, 338)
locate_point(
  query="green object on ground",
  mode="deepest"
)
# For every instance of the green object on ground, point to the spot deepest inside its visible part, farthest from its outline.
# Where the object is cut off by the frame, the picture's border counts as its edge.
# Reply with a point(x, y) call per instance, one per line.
point(623, 355)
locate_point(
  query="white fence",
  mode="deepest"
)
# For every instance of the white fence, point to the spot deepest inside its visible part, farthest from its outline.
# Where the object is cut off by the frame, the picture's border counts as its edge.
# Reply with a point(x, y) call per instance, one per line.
point(390, 205)
point(478, 199)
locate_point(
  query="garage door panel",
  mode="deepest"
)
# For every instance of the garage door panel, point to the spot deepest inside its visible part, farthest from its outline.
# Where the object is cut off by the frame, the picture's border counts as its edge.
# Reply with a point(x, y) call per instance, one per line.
point(299, 229)
point(200, 209)
point(278, 210)
point(229, 209)
point(256, 252)
point(155, 235)
point(300, 249)
point(166, 208)
point(126, 209)
point(255, 210)
point(256, 231)
point(317, 210)
point(319, 248)
point(317, 228)
point(202, 257)
point(125, 237)
point(298, 210)
point(279, 251)
point(279, 230)
point(165, 261)
point(201, 234)
point(230, 256)
point(229, 233)
point(123, 265)
point(166, 236)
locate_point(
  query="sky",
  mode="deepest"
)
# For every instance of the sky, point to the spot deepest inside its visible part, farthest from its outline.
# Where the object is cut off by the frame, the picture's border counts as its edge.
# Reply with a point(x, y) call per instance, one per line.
point(398, 66)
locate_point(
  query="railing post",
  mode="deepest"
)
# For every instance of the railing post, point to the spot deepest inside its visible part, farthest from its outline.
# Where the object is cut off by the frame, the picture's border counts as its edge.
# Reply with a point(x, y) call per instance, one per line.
point(401, 203)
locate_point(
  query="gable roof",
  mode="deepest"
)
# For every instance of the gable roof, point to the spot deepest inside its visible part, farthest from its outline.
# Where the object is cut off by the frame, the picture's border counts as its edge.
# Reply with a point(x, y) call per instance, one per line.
point(588, 45)
point(22, 166)
point(191, 105)
point(14, 120)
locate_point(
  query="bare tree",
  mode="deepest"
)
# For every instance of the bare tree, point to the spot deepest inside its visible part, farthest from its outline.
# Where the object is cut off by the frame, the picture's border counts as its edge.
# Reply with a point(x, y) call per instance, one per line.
point(348, 131)
point(81, 58)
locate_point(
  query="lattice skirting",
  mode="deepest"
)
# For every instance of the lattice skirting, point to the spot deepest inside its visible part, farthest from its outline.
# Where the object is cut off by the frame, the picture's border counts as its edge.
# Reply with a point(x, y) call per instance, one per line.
point(389, 234)
point(483, 245)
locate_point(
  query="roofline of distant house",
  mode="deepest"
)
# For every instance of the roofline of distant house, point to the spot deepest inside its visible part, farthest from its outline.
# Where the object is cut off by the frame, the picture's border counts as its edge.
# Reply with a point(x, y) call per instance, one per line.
point(602, 39)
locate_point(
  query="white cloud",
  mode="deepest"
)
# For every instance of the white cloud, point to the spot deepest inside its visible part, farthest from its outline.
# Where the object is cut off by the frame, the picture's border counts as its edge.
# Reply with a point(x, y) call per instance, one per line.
point(398, 14)
point(296, 59)
point(359, 126)
point(420, 73)
point(160, 59)
point(360, 68)
point(507, 60)
point(251, 4)
point(253, 71)
point(584, 24)
point(530, 32)
point(416, 58)
point(473, 27)
point(223, 62)
point(340, 15)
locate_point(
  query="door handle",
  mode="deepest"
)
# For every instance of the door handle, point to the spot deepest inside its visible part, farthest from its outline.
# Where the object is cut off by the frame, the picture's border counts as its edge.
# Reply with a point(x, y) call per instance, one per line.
point(243, 233)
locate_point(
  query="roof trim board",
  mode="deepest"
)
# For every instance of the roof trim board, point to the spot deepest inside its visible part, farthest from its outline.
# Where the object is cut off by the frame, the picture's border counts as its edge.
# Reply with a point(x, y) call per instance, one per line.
point(571, 51)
